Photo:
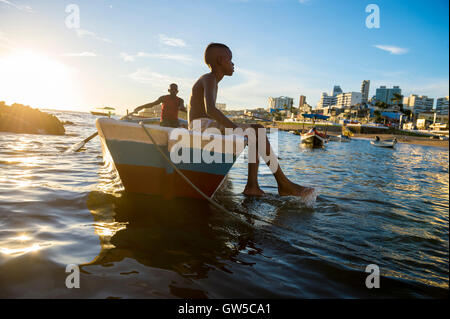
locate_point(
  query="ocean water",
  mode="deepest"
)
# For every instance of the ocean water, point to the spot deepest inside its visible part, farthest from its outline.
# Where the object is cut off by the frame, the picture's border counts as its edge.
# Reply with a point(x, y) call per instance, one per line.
point(375, 206)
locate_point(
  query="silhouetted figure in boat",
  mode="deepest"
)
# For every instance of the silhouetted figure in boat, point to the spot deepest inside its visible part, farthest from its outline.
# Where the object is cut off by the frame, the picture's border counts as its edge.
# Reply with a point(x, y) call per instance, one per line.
point(202, 106)
point(171, 104)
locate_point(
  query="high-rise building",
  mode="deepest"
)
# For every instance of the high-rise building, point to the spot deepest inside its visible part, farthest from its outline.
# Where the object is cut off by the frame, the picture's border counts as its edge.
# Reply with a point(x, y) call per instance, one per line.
point(301, 101)
point(348, 99)
point(418, 104)
point(326, 100)
point(281, 102)
point(386, 95)
point(336, 90)
point(442, 105)
point(365, 91)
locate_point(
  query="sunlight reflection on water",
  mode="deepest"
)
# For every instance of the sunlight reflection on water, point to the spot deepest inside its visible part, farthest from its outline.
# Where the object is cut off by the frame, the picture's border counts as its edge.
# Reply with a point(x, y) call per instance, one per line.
point(388, 207)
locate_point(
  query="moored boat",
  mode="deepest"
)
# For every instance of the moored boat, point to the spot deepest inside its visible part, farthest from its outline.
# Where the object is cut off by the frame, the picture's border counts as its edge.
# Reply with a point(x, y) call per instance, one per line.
point(313, 138)
point(338, 138)
point(143, 169)
point(386, 143)
point(333, 138)
point(344, 138)
point(104, 111)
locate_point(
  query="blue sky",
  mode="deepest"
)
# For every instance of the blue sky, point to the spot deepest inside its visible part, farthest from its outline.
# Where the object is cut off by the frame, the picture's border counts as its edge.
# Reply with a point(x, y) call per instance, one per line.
point(125, 53)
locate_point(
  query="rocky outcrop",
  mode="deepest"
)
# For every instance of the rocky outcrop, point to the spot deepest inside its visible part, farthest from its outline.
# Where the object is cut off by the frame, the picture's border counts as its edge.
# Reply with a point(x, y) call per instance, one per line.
point(19, 118)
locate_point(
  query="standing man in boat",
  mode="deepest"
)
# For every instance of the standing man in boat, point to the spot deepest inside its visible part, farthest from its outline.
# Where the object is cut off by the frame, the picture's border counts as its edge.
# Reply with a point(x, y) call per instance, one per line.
point(171, 104)
point(202, 108)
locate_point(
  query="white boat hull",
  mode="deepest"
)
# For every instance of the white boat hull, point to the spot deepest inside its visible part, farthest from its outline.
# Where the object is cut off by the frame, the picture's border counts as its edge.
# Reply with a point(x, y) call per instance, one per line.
point(384, 144)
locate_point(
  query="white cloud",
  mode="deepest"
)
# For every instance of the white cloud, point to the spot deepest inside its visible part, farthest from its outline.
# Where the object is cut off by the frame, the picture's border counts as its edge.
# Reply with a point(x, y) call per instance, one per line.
point(25, 8)
point(159, 83)
point(145, 75)
point(166, 56)
point(81, 54)
point(127, 58)
point(391, 49)
point(86, 33)
point(173, 42)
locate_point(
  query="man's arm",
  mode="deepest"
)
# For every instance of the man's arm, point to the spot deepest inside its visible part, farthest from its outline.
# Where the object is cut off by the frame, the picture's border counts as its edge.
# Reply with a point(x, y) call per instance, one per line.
point(158, 101)
point(209, 89)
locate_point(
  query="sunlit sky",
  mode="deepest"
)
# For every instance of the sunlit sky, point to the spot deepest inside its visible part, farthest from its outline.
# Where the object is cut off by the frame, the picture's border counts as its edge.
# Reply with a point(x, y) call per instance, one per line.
point(126, 53)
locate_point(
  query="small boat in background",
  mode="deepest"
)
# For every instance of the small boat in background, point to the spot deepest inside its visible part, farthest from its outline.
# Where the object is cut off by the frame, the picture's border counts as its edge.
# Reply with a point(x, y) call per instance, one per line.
point(313, 138)
point(333, 138)
point(346, 134)
point(103, 111)
point(344, 138)
point(386, 143)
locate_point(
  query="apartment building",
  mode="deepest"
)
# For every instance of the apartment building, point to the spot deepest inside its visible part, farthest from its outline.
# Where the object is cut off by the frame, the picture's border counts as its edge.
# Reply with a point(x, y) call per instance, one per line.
point(281, 102)
point(418, 104)
point(348, 99)
point(384, 94)
point(442, 105)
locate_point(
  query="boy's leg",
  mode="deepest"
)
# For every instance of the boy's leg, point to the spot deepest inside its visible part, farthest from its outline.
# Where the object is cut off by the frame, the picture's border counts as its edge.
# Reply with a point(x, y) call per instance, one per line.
point(285, 186)
point(252, 187)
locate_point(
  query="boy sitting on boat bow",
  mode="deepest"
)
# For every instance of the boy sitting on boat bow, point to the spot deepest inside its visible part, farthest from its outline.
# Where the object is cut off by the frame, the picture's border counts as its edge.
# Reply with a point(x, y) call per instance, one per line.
point(202, 110)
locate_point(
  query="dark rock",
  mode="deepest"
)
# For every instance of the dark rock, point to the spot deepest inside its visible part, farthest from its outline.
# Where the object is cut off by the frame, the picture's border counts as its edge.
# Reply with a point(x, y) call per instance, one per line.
point(19, 118)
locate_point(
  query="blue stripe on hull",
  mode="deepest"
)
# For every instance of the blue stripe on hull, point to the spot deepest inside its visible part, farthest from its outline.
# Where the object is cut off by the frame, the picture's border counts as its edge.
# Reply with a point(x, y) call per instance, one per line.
point(143, 154)
point(135, 153)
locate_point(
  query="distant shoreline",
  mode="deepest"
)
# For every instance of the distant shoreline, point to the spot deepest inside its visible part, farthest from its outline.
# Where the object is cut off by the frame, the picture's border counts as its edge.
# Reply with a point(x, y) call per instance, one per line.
point(384, 134)
point(416, 140)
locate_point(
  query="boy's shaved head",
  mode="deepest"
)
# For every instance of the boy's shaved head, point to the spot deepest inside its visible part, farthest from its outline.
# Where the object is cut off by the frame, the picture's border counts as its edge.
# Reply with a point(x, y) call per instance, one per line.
point(212, 50)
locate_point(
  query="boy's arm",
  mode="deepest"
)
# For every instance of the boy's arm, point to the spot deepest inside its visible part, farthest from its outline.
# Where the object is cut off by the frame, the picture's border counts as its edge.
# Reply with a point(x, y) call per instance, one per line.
point(209, 89)
point(158, 101)
point(181, 107)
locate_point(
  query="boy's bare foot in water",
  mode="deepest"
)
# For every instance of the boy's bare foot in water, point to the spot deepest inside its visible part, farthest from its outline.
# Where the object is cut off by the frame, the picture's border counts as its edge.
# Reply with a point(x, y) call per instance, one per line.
point(291, 189)
point(253, 191)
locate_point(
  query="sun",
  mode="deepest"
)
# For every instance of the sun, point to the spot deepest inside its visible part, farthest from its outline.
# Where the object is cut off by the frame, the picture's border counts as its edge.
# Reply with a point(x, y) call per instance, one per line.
point(36, 79)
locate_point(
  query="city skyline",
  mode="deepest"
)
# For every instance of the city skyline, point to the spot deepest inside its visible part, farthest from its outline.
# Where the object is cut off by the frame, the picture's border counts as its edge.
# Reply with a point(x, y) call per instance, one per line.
point(125, 54)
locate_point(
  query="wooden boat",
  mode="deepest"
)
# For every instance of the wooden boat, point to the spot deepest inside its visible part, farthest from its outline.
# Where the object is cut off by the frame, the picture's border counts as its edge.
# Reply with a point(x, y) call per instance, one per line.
point(338, 138)
point(344, 138)
point(99, 113)
point(386, 143)
point(333, 138)
point(313, 138)
point(142, 168)
point(105, 111)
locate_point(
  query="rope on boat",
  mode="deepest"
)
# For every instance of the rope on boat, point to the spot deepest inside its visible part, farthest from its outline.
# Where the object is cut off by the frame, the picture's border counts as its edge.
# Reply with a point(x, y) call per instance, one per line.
point(209, 199)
